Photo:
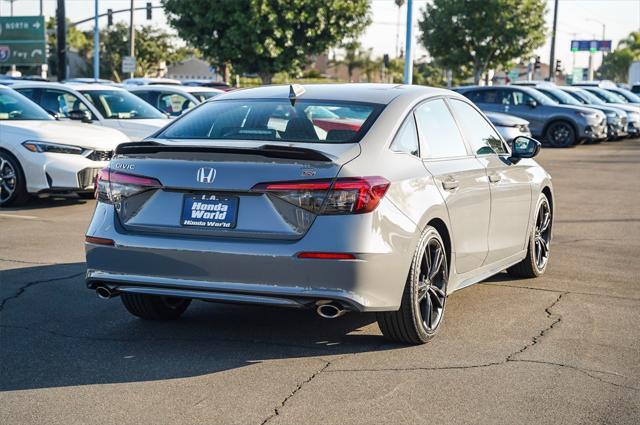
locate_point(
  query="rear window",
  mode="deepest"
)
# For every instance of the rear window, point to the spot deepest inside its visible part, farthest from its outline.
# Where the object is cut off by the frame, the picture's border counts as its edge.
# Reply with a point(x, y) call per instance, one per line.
point(307, 121)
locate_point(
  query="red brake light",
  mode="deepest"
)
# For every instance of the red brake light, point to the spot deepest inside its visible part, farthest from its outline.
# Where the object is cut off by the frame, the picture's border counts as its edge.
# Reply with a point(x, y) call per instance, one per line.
point(348, 195)
point(111, 186)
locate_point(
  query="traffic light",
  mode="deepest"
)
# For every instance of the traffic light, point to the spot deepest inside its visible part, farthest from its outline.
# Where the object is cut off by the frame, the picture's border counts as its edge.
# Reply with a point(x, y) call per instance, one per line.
point(385, 60)
point(558, 65)
point(536, 64)
point(109, 17)
point(149, 11)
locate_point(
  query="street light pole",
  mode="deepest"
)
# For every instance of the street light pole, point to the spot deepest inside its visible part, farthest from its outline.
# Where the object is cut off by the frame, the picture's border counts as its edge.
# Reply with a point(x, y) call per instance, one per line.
point(552, 59)
point(96, 43)
point(132, 37)
point(408, 58)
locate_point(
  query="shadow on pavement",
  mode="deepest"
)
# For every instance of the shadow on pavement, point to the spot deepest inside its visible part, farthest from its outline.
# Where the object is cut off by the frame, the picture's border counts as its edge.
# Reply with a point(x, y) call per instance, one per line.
point(54, 332)
point(53, 201)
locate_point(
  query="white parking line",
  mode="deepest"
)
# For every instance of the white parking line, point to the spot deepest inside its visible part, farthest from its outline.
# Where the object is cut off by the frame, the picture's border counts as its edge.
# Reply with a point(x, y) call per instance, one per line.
point(23, 217)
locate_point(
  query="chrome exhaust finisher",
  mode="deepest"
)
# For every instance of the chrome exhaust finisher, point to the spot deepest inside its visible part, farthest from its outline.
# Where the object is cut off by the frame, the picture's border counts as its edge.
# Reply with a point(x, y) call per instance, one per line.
point(330, 310)
point(104, 292)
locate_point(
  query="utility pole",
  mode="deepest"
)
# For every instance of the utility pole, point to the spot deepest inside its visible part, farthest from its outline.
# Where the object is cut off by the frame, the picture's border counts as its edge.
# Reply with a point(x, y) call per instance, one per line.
point(552, 60)
point(61, 36)
point(132, 37)
point(408, 58)
point(96, 43)
point(41, 8)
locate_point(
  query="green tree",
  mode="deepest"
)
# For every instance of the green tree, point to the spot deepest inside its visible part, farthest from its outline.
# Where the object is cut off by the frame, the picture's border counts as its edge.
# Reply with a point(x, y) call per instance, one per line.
point(615, 65)
point(153, 45)
point(479, 35)
point(266, 36)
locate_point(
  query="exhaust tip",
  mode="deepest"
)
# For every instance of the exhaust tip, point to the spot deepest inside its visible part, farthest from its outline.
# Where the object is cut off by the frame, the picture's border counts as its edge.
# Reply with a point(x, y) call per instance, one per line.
point(103, 292)
point(330, 310)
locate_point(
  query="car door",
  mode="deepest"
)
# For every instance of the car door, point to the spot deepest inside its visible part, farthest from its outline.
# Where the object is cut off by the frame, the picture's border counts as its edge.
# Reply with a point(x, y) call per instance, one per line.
point(510, 183)
point(460, 178)
point(521, 104)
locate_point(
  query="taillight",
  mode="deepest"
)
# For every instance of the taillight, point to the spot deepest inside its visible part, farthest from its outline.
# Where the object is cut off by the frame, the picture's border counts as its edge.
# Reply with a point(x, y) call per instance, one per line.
point(112, 186)
point(327, 197)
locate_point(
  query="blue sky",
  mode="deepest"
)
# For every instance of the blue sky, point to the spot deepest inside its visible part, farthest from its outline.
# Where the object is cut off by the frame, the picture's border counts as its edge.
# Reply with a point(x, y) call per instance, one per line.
point(576, 18)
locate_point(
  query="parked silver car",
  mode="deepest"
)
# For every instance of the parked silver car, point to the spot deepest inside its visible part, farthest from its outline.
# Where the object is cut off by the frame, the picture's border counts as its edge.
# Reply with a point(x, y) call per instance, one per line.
point(588, 98)
point(617, 119)
point(559, 125)
point(509, 126)
point(249, 198)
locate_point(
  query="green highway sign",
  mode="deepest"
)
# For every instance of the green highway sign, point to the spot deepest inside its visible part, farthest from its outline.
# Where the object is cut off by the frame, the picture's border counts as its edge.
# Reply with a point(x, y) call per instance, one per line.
point(22, 40)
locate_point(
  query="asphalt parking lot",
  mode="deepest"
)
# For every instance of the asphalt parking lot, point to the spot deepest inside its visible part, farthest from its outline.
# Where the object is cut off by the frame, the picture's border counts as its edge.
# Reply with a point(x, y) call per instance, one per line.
point(564, 348)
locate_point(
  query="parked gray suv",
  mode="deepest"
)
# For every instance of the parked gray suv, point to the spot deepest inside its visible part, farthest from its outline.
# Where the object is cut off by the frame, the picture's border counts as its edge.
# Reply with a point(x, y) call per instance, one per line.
point(559, 125)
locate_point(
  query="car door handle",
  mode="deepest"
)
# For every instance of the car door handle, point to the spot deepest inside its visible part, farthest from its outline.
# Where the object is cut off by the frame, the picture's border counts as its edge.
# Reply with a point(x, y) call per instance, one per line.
point(494, 178)
point(450, 184)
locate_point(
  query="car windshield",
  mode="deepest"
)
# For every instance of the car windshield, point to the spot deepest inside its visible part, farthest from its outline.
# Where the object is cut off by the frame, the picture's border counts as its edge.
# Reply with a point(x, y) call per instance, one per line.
point(16, 107)
point(560, 96)
point(628, 95)
point(121, 105)
point(204, 95)
point(607, 96)
point(276, 120)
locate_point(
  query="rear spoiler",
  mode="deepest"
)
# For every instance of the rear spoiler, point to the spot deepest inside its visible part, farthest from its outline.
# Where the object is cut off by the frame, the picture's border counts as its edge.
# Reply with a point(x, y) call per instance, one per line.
point(269, 151)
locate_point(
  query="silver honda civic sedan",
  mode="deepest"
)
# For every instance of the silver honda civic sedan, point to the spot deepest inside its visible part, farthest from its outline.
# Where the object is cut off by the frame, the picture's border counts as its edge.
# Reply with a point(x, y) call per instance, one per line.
point(337, 198)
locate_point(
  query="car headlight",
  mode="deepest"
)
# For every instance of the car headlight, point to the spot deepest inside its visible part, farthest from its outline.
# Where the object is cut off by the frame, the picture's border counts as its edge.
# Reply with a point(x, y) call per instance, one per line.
point(588, 115)
point(612, 117)
point(48, 147)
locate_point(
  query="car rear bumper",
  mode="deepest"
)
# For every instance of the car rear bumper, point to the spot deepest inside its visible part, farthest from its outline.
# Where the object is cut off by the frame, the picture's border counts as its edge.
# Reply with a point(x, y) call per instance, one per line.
point(260, 271)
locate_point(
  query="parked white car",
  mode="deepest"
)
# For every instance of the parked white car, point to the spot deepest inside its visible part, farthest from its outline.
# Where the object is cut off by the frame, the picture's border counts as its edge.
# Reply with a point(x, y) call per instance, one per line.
point(98, 104)
point(39, 154)
point(174, 100)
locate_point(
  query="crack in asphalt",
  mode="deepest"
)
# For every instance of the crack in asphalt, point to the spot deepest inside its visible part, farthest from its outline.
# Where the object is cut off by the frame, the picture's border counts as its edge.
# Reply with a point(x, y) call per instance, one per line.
point(557, 319)
point(28, 285)
point(277, 409)
point(511, 358)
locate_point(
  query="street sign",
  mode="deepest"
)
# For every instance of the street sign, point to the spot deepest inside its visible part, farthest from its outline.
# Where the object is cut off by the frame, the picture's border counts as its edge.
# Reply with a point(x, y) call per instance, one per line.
point(22, 40)
point(128, 64)
point(590, 45)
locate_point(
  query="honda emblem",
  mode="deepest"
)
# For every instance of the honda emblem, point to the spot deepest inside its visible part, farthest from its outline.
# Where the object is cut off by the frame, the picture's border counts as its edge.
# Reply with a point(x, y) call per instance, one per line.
point(206, 175)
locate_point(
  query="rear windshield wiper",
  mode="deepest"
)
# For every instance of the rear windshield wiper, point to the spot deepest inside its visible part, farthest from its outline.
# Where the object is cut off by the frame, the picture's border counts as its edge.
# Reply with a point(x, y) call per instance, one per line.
point(269, 151)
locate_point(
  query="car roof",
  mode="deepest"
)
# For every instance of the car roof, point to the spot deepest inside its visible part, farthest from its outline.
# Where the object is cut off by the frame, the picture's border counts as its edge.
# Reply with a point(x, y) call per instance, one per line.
point(188, 89)
point(526, 89)
point(92, 87)
point(356, 92)
point(66, 86)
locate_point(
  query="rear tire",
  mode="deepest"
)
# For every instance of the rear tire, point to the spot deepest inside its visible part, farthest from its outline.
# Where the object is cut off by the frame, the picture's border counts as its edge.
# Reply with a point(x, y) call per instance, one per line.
point(424, 298)
point(13, 186)
point(560, 134)
point(153, 307)
point(537, 259)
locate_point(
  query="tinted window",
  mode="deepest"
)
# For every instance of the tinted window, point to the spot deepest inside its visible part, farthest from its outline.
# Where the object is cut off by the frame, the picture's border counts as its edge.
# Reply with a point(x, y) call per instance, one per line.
point(517, 98)
point(478, 132)
point(439, 131)
point(276, 120)
point(407, 138)
point(484, 96)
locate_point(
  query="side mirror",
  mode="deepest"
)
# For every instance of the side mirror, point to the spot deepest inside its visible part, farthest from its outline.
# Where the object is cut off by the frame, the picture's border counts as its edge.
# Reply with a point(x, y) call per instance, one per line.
point(79, 115)
point(532, 103)
point(524, 147)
